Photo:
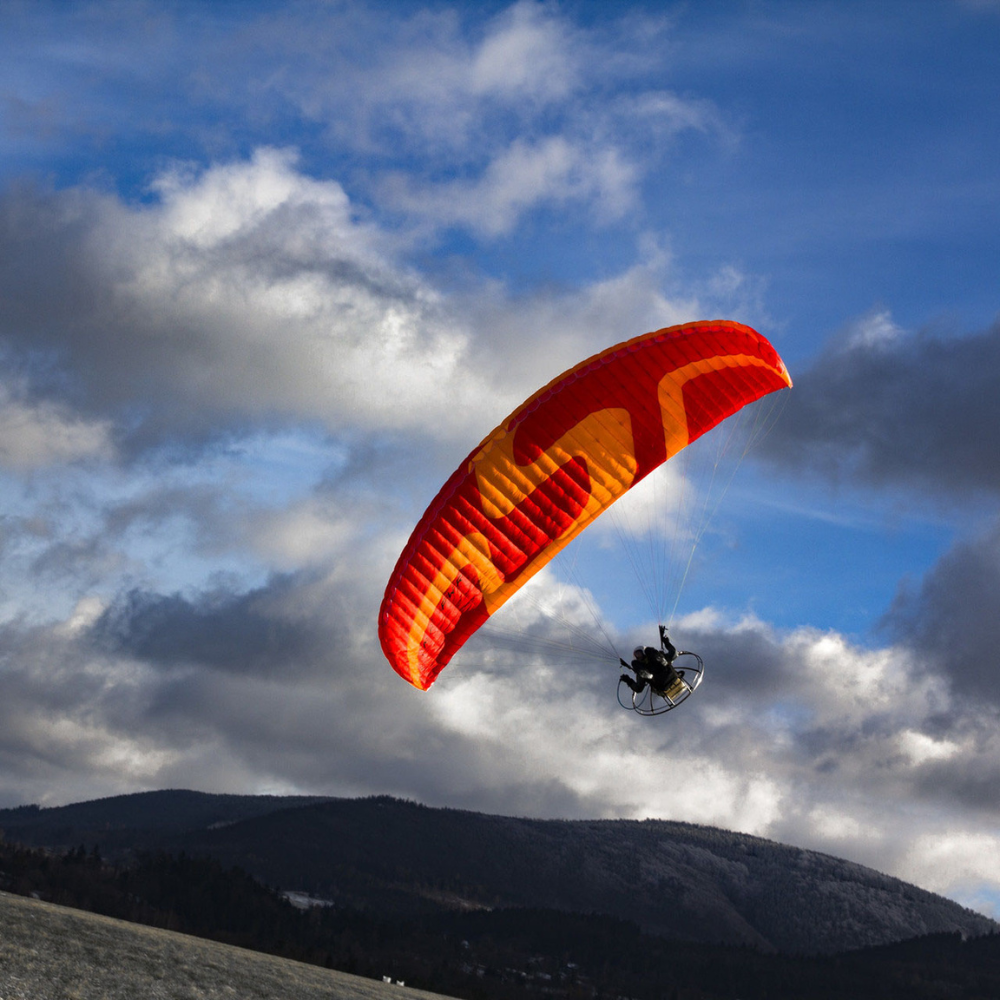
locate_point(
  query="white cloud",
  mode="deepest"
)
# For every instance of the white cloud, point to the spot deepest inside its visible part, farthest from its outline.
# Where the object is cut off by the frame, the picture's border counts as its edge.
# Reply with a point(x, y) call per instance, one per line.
point(252, 292)
point(521, 177)
point(305, 534)
point(951, 859)
point(529, 53)
point(877, 329)
point(605, 759)
point(86, 612)
point(33, 435)
point(920, 748)
point(249, 292)
point(496, 116)
point(440, 83)
point(666, 111)
point(832, 824)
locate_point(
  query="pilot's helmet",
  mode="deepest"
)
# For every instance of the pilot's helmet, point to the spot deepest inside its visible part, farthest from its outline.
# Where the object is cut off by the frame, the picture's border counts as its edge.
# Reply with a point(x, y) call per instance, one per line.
point(639, 653)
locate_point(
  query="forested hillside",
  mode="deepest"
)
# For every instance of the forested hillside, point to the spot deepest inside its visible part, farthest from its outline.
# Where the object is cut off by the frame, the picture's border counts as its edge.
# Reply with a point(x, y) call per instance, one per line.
point(503, 954)
point(396, 860)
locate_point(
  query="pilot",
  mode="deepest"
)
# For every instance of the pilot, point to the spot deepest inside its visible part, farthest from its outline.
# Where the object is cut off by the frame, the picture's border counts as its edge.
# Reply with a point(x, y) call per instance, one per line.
point(652, 666)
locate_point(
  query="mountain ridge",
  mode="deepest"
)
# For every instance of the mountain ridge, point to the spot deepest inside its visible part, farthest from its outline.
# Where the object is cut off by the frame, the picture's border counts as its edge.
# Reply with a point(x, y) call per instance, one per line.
point(397, 858)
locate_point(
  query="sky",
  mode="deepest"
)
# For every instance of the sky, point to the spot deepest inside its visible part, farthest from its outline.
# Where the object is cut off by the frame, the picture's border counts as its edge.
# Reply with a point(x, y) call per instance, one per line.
point(268, 273)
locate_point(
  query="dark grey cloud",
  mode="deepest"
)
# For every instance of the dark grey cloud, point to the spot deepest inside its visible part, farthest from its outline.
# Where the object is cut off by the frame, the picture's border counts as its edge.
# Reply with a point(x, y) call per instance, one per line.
point(251, 633)
point(748, 665)
point(971, 782)
point(281, 685)
point(951, 619)
point(88, 559)
point(920, 411)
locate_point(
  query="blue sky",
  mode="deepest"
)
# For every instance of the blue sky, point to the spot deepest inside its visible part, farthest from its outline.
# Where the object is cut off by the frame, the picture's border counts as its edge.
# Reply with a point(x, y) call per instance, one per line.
point(269, 271)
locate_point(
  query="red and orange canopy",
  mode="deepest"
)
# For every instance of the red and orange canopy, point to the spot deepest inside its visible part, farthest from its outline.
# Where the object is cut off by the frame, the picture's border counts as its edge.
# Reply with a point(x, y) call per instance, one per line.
point(556, 463)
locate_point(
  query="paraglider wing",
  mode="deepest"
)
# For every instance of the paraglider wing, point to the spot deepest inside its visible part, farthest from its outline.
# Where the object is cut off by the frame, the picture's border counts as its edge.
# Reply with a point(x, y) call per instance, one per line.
point(557, 462)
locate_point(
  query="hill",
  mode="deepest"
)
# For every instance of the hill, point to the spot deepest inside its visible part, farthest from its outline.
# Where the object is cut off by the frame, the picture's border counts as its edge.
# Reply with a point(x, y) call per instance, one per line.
point(398, 860)
point(51, 952)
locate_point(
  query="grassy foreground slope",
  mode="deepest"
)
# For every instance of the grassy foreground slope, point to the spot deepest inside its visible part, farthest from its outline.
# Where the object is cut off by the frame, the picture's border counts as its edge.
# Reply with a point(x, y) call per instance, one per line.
point(50, 952)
